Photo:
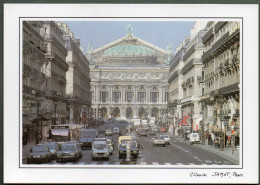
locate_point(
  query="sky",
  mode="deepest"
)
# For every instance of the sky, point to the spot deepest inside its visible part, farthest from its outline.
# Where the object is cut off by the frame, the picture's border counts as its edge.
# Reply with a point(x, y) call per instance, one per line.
point(158, 33)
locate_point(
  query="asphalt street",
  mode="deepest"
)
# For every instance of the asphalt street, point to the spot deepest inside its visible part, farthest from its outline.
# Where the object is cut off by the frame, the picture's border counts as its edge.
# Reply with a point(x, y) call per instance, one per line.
point(177, 153)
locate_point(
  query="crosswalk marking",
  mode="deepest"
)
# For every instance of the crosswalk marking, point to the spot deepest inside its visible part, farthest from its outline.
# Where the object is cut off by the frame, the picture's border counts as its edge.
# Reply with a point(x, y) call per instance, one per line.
point(155, 163)
point(214, 164)
point(167, 163)
point(208, 161)
point(93, 163)
point(204, 164)
point(217, 161)
point(179, 163)
point(81, 163)
point(105, 163)
point(117, 163)
point(143, 163)
point(191, 164)
point(227, 162)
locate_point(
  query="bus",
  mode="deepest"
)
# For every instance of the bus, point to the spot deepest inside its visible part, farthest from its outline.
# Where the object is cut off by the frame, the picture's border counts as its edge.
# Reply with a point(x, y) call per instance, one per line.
point(66, 132)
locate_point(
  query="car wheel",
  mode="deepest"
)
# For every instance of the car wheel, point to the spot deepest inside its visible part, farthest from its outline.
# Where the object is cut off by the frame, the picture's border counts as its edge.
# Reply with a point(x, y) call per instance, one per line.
point(57, 160)
point(164, 145)
point(28, 161)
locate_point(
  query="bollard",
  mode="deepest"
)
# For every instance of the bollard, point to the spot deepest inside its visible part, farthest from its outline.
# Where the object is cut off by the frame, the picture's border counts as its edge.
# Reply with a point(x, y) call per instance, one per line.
point(128, 151)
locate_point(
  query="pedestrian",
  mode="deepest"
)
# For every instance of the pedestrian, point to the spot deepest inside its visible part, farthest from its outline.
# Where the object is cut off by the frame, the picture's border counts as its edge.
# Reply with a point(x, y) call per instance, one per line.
point(213, 138)
point(25, 138)
point(237, 140)
point(226, 138)
point(209, 138)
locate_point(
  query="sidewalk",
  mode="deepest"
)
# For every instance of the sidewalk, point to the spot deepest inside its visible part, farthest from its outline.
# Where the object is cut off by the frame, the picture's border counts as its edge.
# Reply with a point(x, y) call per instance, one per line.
point(226, 153)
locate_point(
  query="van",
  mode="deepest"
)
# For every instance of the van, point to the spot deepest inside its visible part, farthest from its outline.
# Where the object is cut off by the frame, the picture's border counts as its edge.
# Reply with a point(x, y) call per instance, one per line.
point(194, 138)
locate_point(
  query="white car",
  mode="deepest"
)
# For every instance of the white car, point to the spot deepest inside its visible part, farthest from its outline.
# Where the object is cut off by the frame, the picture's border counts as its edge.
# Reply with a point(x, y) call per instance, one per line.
point(115, 130)
point(100, 150)
point(157, 140)
point(166, 138)
point(194, 138)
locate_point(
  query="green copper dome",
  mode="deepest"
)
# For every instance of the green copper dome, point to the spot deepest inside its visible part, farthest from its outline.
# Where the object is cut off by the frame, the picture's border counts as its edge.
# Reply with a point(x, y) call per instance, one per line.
point(129, 49)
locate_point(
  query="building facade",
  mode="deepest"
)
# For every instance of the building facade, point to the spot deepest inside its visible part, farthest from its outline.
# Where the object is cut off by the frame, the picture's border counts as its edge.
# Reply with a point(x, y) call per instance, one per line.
point(78, 81)
point(221, 60)
point(33, 77)
point(210, 78)
point(175, 81)
point(129, 78)
point(55, 68)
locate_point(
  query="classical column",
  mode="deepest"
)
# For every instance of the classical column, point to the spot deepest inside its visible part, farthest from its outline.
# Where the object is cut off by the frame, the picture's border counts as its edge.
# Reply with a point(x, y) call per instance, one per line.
point(136, 94)
point(147, 94)
point(110, 94)
point(123, 94)
point(160, 94)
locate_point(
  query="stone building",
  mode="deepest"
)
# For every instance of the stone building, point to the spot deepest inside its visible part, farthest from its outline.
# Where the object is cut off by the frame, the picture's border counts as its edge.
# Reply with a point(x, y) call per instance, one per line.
point(33, 77)
point(175, 80)
point(78, 81)
point(221, 61)
point(55, 68)
point(185, 79)
point(129, 78)
point(192, 72)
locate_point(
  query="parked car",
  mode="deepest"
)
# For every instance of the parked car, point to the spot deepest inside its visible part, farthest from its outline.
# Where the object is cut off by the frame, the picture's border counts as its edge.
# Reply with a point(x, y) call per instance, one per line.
point(194, 138)
point(108, 132)
point(158, 140)
point(39, 154)
point(67, 152)
point(100, 150)
point(116, 130)
point(166, 138)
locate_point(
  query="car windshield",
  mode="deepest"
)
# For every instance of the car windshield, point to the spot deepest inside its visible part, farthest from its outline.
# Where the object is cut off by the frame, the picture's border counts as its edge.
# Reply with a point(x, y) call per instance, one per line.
point(39, 149)
point(99, 146)
point(165, 136)
point(108, 130)
point(194, 135)
point(68, 147)
point(116, 129)
point(51, 146)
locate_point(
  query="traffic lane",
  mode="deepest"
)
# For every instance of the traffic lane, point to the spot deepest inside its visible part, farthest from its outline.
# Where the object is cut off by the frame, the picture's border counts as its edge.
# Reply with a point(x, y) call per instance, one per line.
point(202, 155)
point(168, 154)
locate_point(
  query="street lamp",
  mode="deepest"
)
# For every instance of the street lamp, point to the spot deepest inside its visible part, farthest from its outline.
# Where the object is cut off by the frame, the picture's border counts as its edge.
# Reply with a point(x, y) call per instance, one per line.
point(55, 112)
point(37, 96)
point(221, 100)
point(191, 119)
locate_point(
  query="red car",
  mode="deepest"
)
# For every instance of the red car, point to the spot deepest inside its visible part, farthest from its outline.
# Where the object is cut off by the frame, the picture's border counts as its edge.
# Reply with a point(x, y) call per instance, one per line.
point(163, 129)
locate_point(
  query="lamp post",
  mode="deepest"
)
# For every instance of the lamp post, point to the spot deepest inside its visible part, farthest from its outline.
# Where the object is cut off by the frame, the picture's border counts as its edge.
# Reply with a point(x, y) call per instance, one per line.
point(191, 119)
point(55, 112)
point(38, 117)
point(221, 148)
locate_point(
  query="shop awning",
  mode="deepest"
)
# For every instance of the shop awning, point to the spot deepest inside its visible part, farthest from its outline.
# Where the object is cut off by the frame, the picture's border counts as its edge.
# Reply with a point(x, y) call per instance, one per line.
point(60, 132)
point(183, 121)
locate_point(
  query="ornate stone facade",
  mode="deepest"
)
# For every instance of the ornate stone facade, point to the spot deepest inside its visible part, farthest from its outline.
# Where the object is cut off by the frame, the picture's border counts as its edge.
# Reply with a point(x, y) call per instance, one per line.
point(129, 78)
point(77, 76)
point(221, 61)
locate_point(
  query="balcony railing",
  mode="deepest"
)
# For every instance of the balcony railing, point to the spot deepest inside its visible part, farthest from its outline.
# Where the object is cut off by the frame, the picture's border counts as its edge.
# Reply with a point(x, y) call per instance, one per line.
point(220, 42)
point(189, 52)
point(200, 79)
point(207, 36)
point(219, 25)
